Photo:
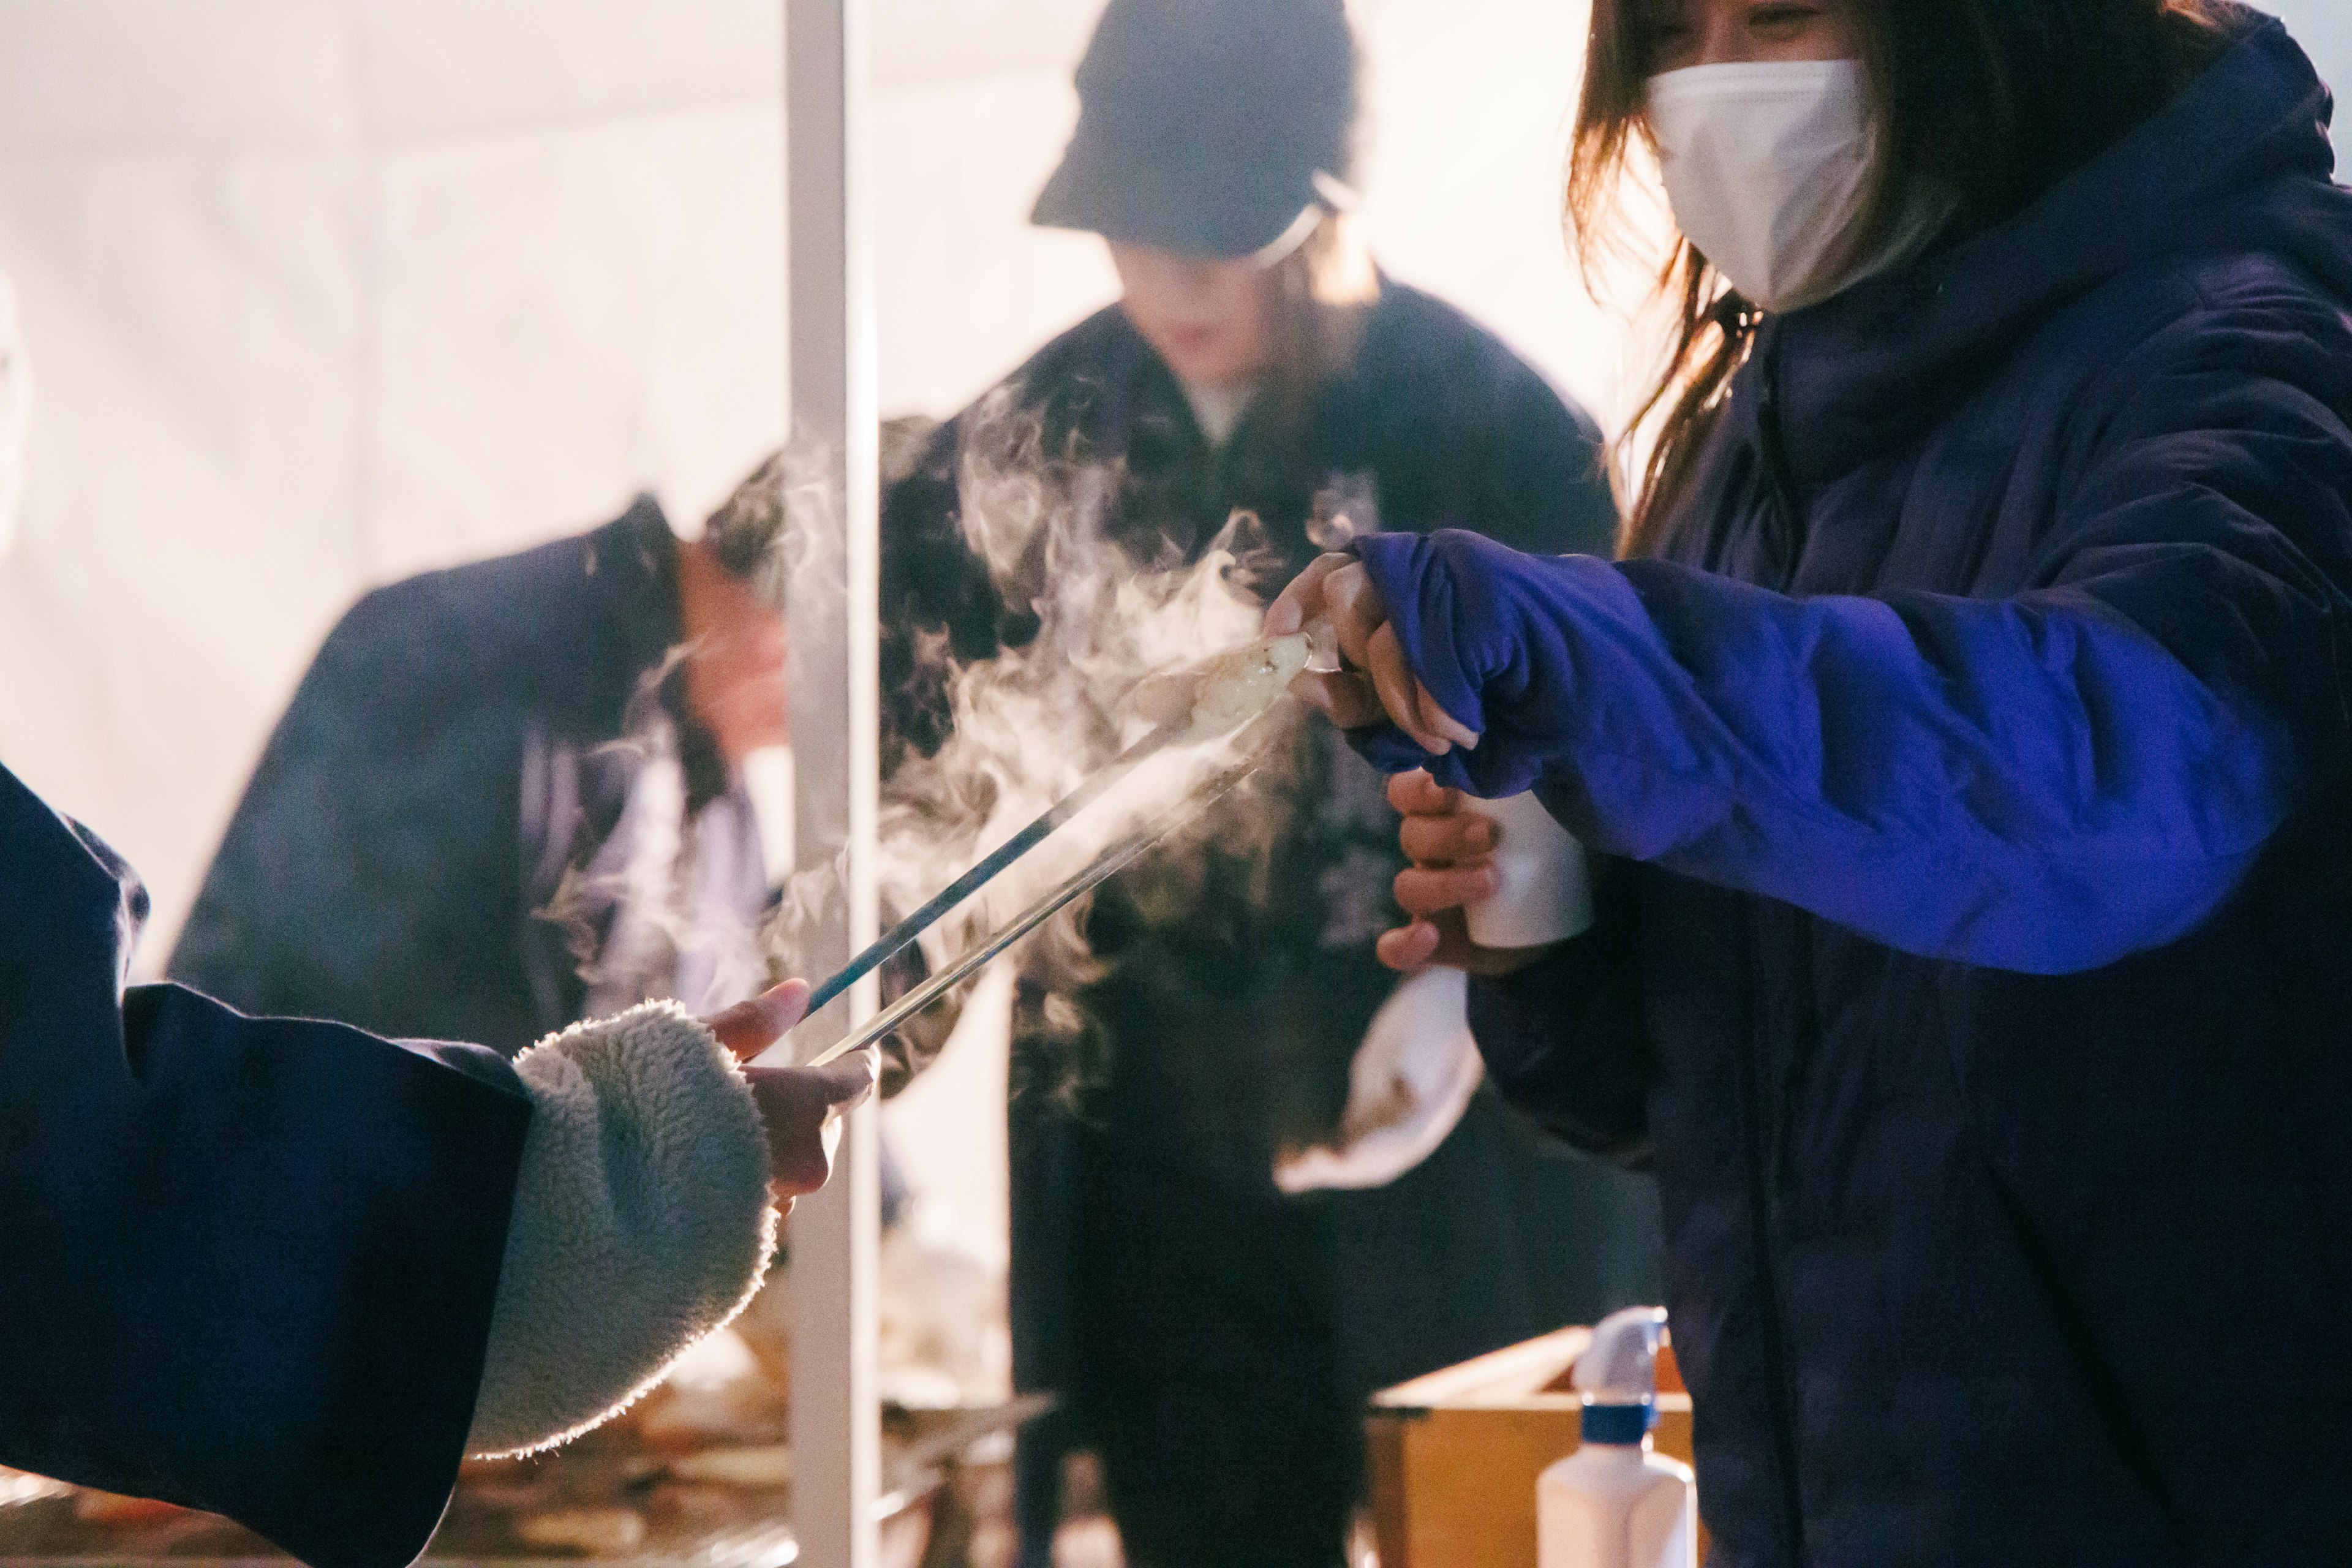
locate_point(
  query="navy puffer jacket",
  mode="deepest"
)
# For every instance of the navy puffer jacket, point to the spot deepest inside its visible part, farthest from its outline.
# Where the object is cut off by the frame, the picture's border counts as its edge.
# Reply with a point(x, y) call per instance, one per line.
point(1977, 973)
point(246, 1265)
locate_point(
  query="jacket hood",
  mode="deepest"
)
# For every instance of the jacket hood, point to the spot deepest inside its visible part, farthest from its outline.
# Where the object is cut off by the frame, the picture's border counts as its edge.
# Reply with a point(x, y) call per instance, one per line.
point(2239, 162)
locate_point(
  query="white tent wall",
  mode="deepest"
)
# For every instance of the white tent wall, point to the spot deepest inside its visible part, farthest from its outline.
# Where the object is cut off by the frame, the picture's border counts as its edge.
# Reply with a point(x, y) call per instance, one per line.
point(318, 293)
point(321, 292)
point(2323, 28)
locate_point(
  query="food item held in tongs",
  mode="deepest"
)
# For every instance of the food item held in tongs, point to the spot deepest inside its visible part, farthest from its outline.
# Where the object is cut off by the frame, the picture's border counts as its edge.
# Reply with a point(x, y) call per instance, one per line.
point(1220, 695)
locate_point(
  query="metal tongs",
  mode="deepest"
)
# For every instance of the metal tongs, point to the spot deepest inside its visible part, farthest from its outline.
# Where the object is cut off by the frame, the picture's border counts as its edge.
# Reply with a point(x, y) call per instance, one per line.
point(1186, 705)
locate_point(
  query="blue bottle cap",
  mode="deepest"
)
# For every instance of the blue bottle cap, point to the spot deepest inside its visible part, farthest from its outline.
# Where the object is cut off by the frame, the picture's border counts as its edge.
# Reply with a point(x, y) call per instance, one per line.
point(1619, 1425)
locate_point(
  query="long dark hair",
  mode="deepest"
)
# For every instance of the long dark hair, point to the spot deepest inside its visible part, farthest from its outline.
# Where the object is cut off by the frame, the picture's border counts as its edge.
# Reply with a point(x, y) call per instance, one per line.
point(1994, 100)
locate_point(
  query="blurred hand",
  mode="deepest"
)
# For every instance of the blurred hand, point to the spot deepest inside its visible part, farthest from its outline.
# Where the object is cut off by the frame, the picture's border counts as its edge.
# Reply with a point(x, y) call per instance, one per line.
point(1376, 681)
point(800, 1106)
point(1451, 849)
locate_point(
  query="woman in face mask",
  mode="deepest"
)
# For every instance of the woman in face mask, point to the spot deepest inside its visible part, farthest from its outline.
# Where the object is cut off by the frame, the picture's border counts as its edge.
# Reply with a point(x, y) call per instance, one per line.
point(1965, 747)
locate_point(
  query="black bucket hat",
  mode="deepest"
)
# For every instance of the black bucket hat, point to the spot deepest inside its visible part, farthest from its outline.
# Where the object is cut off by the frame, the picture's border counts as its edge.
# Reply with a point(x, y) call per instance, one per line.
point(1203, 125)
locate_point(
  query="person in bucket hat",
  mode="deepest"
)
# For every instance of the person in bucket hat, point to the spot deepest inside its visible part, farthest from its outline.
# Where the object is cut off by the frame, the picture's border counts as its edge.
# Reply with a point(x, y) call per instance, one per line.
point(1208, 127)
point(1211, 1307)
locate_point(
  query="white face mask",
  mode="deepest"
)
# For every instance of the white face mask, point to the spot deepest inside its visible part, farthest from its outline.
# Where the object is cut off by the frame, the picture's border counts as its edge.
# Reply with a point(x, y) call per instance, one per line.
point(1768, 166)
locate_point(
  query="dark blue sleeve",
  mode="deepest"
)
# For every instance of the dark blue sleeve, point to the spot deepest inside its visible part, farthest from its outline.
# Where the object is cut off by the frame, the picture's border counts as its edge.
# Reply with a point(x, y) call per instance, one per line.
point(250, 1263)
point(2043, 783)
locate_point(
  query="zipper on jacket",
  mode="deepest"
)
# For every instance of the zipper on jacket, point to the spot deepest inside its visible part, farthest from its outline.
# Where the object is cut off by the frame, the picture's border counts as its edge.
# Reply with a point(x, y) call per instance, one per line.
point(1785, 516)
point(1778, 1381)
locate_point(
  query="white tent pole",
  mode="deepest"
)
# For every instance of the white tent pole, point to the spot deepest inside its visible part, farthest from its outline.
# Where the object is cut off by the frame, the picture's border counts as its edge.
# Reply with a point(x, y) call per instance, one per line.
point(835, 1423)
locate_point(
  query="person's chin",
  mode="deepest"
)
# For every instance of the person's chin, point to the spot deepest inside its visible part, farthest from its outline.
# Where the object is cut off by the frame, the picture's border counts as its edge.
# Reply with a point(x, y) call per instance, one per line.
point(1202, 365)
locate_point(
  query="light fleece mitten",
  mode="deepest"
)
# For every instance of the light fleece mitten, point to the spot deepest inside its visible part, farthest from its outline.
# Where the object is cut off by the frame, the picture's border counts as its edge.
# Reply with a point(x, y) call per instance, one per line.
point(641, 1224)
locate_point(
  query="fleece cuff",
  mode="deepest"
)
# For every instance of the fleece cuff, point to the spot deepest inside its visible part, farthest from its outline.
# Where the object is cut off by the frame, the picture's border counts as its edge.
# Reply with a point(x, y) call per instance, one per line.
point(641, 1223)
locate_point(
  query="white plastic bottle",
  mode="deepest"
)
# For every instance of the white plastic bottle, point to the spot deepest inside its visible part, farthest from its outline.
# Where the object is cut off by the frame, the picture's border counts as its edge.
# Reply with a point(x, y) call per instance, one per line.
point(1543, 890)
point(1615, 1503)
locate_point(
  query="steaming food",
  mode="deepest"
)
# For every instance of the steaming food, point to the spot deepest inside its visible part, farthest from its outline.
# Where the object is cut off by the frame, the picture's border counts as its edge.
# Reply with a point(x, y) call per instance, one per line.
point(1236, 686)
point(1220, 695)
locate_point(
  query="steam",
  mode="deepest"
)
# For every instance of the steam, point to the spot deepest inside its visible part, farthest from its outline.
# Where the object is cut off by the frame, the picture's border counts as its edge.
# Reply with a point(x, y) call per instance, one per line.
point(650, 913)
point(1032, 723)
point(1024, 728)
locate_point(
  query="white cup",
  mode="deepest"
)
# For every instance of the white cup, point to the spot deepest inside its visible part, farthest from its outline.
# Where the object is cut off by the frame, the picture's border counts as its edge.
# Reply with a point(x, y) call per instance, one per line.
point(1545, 883)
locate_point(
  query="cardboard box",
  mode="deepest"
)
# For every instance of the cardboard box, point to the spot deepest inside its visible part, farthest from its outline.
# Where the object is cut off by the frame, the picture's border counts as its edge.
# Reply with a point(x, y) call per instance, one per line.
point(1454, 1454)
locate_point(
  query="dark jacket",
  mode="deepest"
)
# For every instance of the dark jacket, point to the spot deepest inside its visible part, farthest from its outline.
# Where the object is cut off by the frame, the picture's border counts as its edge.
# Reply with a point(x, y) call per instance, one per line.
point(1213, 1340)
point(1437, 425)
point(1977, 982)
point(246, 1265)
point(446, 761)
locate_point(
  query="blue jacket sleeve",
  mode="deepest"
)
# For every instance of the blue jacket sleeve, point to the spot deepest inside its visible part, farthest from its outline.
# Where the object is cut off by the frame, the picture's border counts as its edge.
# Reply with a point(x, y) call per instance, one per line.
point(250, 1263)
point(2045, 783)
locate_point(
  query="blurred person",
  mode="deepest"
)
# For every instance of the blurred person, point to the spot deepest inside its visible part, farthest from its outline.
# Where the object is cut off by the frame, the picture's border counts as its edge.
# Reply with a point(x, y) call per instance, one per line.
point(291, 1272)
point(521, 792)
point(1211, 1335)
point(1971, 732)
point(518, 792)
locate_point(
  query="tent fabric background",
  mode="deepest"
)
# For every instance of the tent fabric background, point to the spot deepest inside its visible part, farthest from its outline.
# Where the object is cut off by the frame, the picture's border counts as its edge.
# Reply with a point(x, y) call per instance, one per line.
point(321, 292)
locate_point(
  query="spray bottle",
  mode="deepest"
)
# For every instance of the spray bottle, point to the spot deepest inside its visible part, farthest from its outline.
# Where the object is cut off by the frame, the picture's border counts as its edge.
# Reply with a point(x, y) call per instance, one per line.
point(1543, 883)
point(1614, 1503)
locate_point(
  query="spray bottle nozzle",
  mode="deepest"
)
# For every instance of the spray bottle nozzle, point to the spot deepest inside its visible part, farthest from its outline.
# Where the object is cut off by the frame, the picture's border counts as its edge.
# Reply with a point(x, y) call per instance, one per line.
point(1618, 1375)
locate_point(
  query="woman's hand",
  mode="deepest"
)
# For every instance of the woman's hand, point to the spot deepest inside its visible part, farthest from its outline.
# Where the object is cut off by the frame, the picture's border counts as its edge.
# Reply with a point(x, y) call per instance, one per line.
point(1450, 847)
point(1376, 679)
point(800, 1106)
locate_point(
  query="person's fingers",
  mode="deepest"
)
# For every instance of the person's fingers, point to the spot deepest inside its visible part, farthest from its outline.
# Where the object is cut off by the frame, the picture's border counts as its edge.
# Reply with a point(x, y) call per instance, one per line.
point(1415, 794)
point(793, 1108)
point(1355, 610)
point(1426, 891)
point(1368, 644)
point(1383, 659)
point(1444, 942)
point(1441, 942)
point(1435, 718)
point(1302, 600)
point(751, 1026)
point(1408, 949)
point(1450, 840)
point(848, 1081)
point(802, 1110)
point(800, 1174)
point(1346, 697)
point(1419, 714)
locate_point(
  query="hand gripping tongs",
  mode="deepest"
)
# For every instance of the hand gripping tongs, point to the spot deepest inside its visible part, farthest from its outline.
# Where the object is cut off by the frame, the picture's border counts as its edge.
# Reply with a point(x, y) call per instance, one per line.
point(1200, 705)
